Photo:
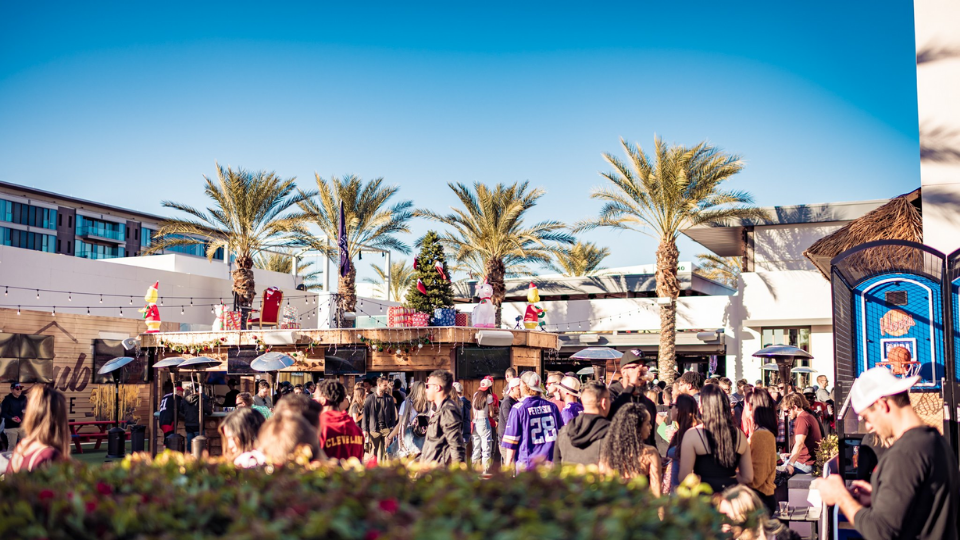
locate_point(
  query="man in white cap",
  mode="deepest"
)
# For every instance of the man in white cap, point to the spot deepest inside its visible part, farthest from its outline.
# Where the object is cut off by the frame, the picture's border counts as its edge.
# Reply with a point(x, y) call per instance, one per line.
point(532, 426)
point(569, 388)
point(915, 490)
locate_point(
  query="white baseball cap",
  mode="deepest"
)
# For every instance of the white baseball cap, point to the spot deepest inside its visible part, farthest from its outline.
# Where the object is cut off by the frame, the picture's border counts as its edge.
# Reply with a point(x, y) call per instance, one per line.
point(876, 383)
point(458, 387)
point(532, 380)
point(571, 385)
point(485, 383)
point(514, 383)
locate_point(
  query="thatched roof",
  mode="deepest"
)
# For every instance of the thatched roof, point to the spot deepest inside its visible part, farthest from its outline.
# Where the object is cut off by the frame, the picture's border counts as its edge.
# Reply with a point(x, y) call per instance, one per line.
point(897, 220)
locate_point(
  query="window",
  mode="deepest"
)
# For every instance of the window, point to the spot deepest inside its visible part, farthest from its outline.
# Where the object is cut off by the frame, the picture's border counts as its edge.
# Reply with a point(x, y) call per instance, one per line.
point(88, 250)
point(96, 227)
point(69, 221)
point(146, 237)
point(27, 240)
point(25, 214)
point(797, 336)
point(69, 246)
point(58, 245)
point(60, 220)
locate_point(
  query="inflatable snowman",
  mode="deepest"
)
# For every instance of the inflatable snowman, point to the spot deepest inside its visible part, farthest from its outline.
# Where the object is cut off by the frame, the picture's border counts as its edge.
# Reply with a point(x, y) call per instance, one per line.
point(485, 315)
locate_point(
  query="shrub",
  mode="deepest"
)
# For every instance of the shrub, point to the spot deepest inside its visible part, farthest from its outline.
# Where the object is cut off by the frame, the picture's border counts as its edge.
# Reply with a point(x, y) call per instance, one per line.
point(179, 498)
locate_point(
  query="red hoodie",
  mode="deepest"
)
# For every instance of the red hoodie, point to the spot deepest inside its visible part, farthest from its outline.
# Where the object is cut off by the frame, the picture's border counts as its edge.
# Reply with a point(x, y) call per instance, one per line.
point(340, 437)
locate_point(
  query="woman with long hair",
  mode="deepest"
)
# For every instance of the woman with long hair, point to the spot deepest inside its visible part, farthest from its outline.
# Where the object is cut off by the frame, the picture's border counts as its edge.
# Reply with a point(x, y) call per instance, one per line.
point(623, 450)
point(46, 430)
point(412, 422)
point(686, 415)
point(356, 404)
point(239, 431)
point(716, 451)
point(746, 516)
point(481, 409)
point(763, 446)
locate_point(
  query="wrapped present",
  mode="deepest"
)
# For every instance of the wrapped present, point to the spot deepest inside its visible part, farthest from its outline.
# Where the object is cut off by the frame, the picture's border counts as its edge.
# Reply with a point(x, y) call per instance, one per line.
point(290, 314)
point(444, 317)
point(398, 316)
point(218, 319)
point(419, 320)
point(231, 320)
point(289, 326)
point(463, 319)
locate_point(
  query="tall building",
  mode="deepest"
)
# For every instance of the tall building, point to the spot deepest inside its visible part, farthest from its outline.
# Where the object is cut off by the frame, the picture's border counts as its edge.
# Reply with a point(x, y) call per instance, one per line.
point(34, 219)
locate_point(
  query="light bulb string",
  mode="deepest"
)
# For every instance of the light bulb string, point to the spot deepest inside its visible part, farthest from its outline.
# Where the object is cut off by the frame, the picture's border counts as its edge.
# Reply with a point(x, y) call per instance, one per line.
point(109, 295)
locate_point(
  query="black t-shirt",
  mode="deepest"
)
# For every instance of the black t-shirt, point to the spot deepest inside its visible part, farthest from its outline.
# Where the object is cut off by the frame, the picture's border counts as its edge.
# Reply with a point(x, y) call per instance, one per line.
point(628, 396)
point(916, 491)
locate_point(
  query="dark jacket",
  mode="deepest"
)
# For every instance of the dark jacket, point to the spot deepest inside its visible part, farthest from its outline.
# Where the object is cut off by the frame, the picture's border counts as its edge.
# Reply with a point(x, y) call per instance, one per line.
point(467, 422)
point(11, 407)
point(506, 404)
point(444, 442)
point(191, 411)
point(628, 396)
point(379, 413)
point(579, 441)
point(166, 409)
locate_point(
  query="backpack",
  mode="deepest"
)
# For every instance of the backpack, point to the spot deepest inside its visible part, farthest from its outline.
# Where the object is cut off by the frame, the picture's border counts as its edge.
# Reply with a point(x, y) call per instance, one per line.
point(418, 426)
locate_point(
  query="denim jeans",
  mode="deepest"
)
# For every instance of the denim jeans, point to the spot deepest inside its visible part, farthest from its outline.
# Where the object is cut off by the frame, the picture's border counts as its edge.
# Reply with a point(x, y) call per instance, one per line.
point(482, 442)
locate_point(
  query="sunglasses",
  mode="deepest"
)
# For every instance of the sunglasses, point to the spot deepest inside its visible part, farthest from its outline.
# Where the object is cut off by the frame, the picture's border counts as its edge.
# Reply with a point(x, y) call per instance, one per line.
point(17, 388)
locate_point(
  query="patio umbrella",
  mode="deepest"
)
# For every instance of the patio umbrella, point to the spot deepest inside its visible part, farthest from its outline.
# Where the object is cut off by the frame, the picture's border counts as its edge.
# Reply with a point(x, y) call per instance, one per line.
point(597, 353)
point(586, 371)
point(803, 369)
point(784, 356)
point(271, 361)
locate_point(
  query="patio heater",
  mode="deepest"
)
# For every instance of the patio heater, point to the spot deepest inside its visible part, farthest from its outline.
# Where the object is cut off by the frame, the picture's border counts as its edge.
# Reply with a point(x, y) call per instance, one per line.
point(783, 356)
point(272, 362)
point(116, 437)
point(196, 365)
point(173, 440)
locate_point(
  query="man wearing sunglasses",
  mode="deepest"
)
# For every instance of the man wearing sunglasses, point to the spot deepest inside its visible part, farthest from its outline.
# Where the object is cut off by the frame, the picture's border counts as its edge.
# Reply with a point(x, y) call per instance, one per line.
point(444, 443)
point(634, 375)
point(915, 489)
point(11, 410)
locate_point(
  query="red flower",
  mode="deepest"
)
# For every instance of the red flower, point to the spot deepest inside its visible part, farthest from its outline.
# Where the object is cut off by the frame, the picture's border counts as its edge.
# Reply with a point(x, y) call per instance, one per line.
point(104, 489)
point(90, 506)
point(389, 506)
point(46, 495)
point(372, 535)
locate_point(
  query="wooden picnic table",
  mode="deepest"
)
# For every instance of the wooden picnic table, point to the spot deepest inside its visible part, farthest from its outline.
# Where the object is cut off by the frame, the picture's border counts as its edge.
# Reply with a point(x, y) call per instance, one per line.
point(97, 436)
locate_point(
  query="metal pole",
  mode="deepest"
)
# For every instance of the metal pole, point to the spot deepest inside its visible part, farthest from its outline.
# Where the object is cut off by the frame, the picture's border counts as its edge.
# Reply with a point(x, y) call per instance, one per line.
point(389, 275)
point(326, 267)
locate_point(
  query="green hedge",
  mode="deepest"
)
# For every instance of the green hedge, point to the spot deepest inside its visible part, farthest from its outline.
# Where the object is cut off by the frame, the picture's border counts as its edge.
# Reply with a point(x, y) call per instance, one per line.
point(179, 498)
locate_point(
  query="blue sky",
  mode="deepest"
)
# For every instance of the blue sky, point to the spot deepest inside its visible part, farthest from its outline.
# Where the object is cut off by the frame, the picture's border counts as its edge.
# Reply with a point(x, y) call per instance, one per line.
point(129, 103)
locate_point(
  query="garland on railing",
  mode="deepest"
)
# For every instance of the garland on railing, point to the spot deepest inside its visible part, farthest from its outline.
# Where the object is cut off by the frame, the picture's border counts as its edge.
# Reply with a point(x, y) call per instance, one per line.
point(193, 348)
point(398, 346)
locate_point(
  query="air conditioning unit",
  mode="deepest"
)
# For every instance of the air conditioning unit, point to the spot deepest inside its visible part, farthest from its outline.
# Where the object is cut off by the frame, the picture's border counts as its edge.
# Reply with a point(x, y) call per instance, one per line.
point(281, 338)
point(589, 338)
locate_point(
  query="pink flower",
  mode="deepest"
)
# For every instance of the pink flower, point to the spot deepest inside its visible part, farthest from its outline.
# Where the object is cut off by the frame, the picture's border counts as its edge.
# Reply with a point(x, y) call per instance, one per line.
point(104, 489)
point(372, 535)
point(389, 506)
point(46, 495)
point(90, 506)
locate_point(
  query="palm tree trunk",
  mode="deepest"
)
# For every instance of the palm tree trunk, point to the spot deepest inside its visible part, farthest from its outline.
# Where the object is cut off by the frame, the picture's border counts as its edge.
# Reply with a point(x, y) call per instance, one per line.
point(668, 286)
point(496, 271)
point(244, 287)
point(347, 290)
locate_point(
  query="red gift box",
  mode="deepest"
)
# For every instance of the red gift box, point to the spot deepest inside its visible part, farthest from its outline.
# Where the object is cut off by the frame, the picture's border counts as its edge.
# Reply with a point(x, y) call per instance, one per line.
point(419, 319)
point(463, 319)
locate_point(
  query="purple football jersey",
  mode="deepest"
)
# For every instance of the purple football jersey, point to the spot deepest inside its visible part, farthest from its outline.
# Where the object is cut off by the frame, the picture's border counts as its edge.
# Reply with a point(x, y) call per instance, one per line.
point(571, 411)
point(532, 431)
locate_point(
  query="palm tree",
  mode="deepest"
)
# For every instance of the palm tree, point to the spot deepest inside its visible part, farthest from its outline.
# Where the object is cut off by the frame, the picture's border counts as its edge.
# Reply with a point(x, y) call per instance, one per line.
point(490, 228)
point(679, 189)
point(580, 259)
point(400, 279)
point(283, 263)
point(726, 270)
point(370, 223)
point(247, 215)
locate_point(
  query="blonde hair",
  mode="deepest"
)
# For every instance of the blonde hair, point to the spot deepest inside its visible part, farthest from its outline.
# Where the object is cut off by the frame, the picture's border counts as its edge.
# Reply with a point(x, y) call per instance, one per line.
point(747, 511)
point(285, 435)
point(45, 420)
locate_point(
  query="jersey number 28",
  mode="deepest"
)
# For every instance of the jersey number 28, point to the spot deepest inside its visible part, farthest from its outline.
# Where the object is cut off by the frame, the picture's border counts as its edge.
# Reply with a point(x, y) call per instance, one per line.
point(543, 429)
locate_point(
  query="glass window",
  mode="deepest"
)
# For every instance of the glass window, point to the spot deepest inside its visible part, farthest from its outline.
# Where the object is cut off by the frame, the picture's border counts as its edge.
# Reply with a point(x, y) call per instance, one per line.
point(146, 237)
point(89, 250)
point(27, 240)
point(96, 227)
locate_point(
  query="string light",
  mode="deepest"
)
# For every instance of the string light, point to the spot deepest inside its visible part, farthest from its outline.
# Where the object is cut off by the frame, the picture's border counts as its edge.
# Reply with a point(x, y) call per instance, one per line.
point(131, 300)
point(121, 312)
point(18, 310)
point(181, 310)
point(70, 298)
point(38, 294)
point(54, 311)
point(101, 298)
point(6, 291)
point(161, 301)
point(88, 310)
point(191, 301)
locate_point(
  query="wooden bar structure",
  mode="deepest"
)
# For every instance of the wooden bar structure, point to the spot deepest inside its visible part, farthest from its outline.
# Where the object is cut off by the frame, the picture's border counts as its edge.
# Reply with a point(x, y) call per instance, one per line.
point(388, 350)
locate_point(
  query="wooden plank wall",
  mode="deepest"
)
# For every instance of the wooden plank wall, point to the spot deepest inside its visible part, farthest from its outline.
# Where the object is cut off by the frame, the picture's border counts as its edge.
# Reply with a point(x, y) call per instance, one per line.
point(73, 357)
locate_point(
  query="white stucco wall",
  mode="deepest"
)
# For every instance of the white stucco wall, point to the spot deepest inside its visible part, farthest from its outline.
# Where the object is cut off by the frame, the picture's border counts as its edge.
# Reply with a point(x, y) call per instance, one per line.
point(938, 86)
point(38, 270)
point(781, 247)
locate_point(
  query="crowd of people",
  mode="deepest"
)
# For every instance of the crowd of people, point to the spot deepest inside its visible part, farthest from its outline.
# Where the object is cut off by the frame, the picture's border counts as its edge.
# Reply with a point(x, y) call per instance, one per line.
point(740, 440)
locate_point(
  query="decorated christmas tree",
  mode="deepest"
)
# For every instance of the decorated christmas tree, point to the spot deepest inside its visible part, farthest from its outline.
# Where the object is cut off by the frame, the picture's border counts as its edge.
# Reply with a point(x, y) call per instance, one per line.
point(432, 289)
